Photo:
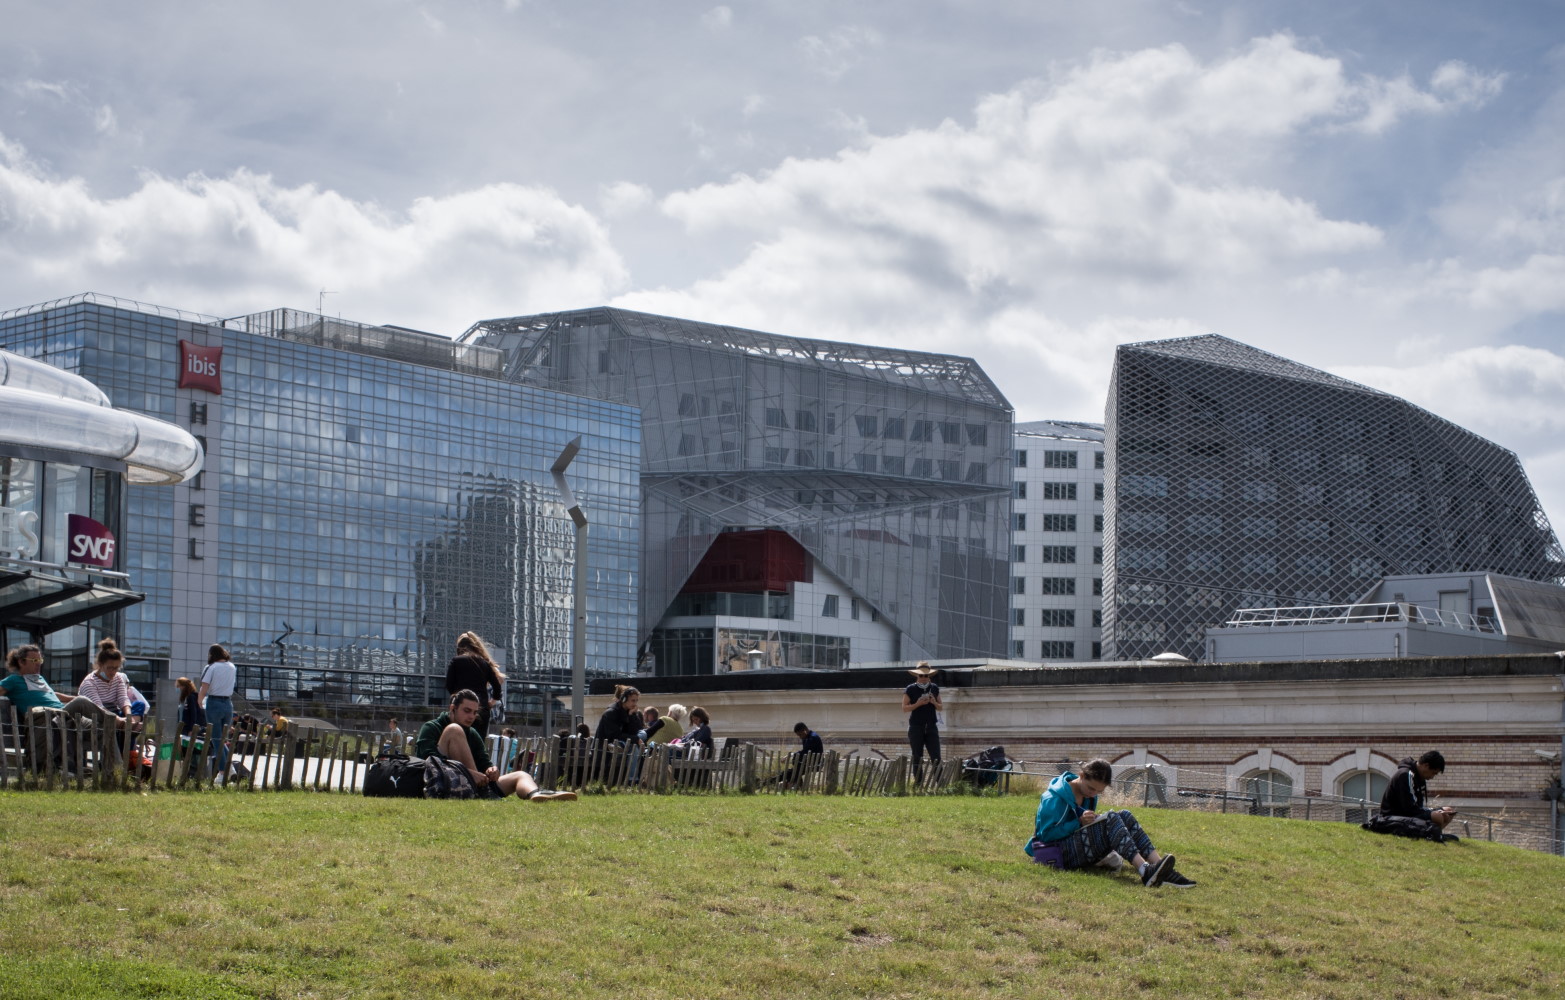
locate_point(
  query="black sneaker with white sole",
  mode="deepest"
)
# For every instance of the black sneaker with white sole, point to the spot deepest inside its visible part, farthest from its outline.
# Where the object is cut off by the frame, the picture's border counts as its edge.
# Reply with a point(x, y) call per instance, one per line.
point(1178, 881)
point(1156, 872)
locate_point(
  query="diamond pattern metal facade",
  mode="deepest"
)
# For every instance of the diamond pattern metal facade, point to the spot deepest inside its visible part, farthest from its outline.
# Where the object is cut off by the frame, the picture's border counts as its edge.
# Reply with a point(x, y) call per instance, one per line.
point(1236, 478)
point(891, 467)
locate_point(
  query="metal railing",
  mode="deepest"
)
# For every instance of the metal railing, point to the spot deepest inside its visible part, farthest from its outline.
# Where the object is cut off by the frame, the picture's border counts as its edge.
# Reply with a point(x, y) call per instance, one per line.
point(1340, 614)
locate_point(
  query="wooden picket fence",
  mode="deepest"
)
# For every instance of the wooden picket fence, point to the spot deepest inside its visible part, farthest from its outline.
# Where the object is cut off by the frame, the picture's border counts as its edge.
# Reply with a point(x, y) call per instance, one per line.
point(51, 751)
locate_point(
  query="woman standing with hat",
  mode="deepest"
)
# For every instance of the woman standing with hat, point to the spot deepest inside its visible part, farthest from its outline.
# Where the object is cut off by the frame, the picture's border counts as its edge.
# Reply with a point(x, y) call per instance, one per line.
point(921, 703)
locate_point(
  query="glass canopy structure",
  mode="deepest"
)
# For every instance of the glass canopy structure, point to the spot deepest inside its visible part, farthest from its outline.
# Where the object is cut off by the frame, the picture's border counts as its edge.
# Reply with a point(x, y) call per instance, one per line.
point(1239, 479)
point(64, 450)
point(891, 467)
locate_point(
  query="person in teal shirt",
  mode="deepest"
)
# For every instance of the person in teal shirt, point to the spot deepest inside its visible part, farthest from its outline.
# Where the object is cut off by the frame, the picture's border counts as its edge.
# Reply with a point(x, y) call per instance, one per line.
point(1069, 827)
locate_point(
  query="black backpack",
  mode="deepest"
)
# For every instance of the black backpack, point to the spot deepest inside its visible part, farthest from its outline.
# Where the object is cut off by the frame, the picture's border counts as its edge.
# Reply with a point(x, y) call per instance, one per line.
point(982, 769)
point(395, 776)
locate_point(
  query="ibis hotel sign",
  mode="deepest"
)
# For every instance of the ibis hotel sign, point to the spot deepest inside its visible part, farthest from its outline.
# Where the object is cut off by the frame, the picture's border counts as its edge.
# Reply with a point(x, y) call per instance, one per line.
point(200, 367)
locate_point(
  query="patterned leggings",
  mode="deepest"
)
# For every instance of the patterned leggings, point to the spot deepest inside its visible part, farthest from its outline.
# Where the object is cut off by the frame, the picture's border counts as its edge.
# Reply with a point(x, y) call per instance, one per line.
point(1116, 830)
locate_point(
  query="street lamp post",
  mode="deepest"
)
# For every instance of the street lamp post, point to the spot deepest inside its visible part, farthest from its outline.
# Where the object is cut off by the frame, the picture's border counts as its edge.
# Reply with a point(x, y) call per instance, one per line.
point(579, 620)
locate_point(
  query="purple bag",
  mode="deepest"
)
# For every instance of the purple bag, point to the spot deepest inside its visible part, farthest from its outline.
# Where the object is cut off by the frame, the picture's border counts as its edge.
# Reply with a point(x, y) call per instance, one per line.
point(1044, 854)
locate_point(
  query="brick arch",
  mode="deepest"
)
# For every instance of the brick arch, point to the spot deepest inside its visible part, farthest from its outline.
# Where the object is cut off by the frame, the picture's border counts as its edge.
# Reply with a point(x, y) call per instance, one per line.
point(1142, 757)
point(1361, 759)
point(1267, 759)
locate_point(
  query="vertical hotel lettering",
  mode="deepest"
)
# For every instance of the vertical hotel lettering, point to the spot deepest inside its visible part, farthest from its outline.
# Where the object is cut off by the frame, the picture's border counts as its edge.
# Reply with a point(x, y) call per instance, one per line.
point(199, 368)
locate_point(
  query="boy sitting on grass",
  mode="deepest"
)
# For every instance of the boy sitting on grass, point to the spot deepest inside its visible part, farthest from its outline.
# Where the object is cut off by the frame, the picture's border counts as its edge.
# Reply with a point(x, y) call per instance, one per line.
point(451, 735)
point(1068, 821)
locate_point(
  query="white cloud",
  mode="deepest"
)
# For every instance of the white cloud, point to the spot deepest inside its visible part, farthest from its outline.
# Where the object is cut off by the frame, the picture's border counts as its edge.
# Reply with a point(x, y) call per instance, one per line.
point(104, 122)
point(61, 91)
point(242, 242)
point(833, 54)
point(623, 198)
point(1453, 86)
point(718, 18)
point(753, 103)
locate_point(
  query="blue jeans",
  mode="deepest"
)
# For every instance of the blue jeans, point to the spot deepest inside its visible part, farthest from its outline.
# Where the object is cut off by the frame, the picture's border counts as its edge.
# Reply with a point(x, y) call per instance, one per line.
point(219, 715)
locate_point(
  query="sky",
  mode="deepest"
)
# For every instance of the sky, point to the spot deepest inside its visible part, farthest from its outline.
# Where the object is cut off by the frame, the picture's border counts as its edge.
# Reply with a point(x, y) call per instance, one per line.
point(1373, 189)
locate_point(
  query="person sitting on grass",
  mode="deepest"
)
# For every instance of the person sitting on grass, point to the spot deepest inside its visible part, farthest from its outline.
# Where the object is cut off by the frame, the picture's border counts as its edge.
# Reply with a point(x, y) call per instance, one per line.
point(451, 735)
point(1404, 808)
point(810, 743)
point(1069, 821)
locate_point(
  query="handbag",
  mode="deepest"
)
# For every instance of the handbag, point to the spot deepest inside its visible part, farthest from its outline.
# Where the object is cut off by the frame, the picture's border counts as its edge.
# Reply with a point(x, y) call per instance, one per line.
point(1045, 854)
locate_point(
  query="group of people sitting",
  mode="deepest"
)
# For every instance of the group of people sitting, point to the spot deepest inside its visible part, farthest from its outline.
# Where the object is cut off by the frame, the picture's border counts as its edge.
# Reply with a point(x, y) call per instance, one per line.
point(104, 695)
point(1070, 833)
point(626, 721)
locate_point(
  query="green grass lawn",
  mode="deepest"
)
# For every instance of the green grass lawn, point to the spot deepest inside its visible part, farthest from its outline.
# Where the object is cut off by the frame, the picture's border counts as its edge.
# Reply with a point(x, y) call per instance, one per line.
point(312, 895)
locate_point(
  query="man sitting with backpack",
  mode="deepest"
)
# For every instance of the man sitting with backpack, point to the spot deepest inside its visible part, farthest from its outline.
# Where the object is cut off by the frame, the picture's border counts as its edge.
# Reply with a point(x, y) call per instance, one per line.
point(450, 736)
point(1404, 808)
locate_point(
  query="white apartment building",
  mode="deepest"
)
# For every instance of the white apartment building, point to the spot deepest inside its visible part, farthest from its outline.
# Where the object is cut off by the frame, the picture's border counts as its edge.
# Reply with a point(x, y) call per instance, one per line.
point(1057, 541)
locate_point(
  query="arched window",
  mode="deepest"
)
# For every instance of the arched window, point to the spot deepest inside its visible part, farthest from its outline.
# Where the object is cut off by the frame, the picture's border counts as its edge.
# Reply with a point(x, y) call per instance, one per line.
point(1367, 786)
point(1142, 784)
point(1271, 793)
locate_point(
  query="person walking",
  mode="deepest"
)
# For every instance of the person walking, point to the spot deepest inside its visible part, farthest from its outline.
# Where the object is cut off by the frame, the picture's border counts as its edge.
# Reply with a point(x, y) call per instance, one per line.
point(217, 700)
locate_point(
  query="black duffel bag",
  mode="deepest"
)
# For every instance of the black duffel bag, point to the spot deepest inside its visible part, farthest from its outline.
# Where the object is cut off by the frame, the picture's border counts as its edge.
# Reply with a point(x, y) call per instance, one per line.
point(395, 775)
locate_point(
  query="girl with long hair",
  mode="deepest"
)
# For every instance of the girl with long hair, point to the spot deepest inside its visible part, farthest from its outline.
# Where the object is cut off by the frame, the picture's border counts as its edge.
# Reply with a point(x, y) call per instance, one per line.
point(473, 669)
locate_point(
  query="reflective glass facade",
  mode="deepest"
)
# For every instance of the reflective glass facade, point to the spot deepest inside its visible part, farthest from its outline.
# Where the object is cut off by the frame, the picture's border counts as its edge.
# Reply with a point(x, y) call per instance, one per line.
point(1239, 479)
point(892, 468)
point(369, 494)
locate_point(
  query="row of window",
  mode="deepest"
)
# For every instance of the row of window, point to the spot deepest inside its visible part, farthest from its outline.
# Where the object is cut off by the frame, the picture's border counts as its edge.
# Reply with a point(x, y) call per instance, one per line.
point(1055, 491)
point(1051, 522)
point(1056, 554)
point(1054, 617)
point(1315, 494)
point(1208, 561)
point(868, 426)
point(1056, 459)
point(1050, 649)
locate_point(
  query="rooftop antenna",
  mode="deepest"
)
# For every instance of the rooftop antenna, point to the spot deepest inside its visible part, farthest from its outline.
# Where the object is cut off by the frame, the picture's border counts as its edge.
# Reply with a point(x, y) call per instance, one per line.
point(320, 302)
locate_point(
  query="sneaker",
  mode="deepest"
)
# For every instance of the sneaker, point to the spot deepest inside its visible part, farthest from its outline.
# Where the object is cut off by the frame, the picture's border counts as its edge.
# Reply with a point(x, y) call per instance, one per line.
point(1153, 875)
point(1178, 881)
point(550, 795)
point(1112, 861)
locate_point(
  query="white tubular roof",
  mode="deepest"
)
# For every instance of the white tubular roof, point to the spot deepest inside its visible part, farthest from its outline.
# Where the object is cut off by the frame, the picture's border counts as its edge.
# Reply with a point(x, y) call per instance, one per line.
point(44, 407)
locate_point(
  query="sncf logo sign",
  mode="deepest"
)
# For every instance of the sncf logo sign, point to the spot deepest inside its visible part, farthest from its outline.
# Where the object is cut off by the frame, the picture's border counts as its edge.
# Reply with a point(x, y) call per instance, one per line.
point(90, 542)
point(200, 367)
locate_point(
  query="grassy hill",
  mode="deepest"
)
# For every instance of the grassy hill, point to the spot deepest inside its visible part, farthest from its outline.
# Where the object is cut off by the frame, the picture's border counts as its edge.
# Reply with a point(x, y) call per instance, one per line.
point(309, 895)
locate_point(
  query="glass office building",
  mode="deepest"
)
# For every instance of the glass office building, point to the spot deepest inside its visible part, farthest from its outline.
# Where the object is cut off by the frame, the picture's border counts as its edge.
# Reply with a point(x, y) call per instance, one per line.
point(369, 493)
point(1239, 479)
point(891, 468)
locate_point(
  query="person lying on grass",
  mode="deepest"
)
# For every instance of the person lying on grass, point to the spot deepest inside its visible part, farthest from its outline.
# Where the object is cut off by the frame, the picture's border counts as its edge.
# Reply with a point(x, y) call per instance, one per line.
point(1068, 820)
point(451, 735)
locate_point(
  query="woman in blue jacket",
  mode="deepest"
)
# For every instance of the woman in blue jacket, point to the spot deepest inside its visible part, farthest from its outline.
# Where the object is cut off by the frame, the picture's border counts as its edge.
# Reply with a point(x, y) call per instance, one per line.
point(1069, 821)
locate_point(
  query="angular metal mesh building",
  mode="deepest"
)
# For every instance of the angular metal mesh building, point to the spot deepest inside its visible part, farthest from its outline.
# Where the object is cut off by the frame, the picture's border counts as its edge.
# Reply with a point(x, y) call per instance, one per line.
point(1237, 478)
point(892, 468)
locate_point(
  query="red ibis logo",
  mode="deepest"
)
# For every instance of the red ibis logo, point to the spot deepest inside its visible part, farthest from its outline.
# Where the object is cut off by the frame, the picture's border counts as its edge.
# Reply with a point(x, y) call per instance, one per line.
point(200, 367)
